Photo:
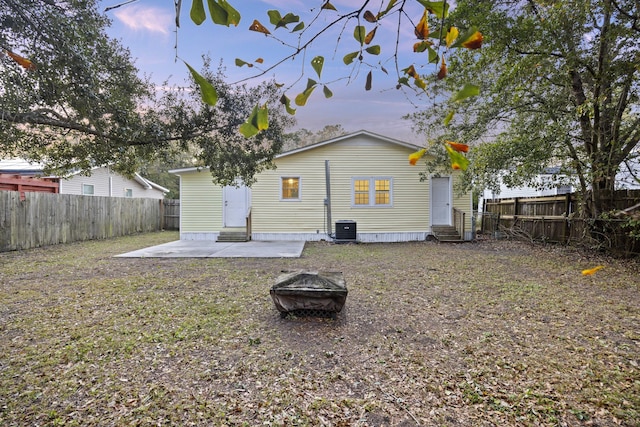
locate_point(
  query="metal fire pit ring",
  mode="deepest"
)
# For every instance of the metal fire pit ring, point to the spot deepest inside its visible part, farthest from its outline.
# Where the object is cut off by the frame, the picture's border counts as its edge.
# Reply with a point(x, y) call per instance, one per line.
point(307, 293)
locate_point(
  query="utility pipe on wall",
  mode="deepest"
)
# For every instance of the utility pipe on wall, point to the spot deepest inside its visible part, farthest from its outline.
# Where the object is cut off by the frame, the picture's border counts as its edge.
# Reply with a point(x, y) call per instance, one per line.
point(327, 201)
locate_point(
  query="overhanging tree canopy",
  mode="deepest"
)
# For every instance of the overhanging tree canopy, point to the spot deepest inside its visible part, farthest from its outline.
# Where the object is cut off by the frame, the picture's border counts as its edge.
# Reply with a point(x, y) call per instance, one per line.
point(560, 87)
point(71, 97)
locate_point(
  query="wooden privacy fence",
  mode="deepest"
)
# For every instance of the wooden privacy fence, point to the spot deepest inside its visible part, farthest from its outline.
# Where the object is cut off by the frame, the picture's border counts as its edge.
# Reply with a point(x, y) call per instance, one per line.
point(554, 219)
point(171, 214)
point(41, 219)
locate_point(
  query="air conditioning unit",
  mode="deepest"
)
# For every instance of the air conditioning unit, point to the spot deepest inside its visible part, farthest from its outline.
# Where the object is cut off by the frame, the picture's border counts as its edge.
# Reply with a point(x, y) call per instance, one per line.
point(345, 231)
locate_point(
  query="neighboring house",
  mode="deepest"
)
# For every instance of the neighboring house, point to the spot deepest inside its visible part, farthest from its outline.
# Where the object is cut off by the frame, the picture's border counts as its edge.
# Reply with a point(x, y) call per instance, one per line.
point(102, 181)
point(552, 183)
point(371, 185)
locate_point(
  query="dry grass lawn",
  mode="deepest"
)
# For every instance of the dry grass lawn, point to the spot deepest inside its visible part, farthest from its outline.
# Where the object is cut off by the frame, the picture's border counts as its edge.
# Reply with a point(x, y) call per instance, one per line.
point(475, 334)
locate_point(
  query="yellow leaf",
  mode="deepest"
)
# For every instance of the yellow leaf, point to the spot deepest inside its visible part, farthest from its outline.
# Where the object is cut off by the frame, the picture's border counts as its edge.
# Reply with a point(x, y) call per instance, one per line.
point(420, 83)
point(258, 27)
point(23, 62)
point(370, 36)
point(328, 6)
point(259, 60)
point(474, 41)
point(459, 147)
point(451, 36)
point(411, 71)
point(591, 271)
point(422, 29)
point(414, 157)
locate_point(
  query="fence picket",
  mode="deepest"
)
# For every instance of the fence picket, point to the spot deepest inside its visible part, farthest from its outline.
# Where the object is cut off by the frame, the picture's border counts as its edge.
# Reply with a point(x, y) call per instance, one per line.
point(43, 219)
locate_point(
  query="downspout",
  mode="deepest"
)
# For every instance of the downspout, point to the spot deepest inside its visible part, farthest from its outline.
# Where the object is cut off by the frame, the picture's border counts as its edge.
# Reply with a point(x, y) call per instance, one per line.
point(327, 201)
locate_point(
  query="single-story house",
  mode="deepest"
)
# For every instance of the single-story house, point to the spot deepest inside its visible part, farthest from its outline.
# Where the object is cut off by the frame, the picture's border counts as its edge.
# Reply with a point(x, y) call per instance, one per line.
point(102, 182)
point(359, 183)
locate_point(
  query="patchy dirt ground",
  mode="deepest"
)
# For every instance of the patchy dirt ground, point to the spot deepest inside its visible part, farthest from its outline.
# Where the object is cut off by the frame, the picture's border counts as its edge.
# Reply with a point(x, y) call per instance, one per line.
point(475, 334)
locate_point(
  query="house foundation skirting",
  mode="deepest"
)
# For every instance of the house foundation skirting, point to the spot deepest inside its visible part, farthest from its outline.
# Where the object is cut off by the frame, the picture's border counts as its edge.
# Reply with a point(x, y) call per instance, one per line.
point(199, 235)
point(409, 236)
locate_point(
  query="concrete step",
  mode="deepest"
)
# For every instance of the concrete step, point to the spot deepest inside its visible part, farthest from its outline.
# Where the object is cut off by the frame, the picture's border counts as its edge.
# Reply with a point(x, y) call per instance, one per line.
point(233, 235)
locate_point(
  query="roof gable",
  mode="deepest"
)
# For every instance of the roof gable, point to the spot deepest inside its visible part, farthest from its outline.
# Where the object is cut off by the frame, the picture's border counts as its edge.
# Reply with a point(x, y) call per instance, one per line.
point(353, 135)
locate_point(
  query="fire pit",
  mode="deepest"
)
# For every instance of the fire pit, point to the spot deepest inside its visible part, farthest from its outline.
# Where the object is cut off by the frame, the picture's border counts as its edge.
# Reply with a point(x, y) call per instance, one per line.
point(309, 293)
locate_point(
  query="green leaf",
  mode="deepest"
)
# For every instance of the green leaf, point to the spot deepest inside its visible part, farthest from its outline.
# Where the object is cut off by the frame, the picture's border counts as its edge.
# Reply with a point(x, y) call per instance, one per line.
point(402, 81)
point(457, 159)
point(287, 104)
point(279, 21)
point(289, 18)
point(467, 91)
point(438, 8)
point(317, 64)
point(222, 13)
point(388, 8)
point(298, 27)
point(302, 98)
point(367, 85)
point(197, 12)
point(373, 50)
point(359, 33)
point(262, 118)
point(257, 121)
point(274, 17)
point(349, 57)
point(234, 15)
point(433, 55)
point(240, 63)
point(449, 117)
point(311, 84)
point(208, 92)
point(421, 46)
point(248, 130)
point(327, 92)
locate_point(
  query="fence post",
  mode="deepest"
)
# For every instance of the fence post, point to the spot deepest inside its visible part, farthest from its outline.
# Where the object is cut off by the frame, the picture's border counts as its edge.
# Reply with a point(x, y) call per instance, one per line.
point(162, 220)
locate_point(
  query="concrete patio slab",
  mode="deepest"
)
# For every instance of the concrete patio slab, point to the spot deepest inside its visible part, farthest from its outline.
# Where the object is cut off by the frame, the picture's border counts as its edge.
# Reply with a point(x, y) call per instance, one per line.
point(210, 249)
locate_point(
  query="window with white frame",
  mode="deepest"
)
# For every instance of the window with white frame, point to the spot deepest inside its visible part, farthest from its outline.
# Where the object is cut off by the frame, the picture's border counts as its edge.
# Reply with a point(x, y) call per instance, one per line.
point(290, 188)
point(128, 192)
point(372, 191)
point(87, 189)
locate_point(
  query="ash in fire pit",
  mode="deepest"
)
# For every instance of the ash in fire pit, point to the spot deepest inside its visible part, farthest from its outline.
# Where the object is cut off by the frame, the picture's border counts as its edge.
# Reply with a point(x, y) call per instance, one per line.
point(309, 293)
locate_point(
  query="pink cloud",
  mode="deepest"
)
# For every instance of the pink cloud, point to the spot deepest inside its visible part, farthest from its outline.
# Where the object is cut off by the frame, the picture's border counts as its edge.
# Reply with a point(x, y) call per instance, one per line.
point(144, 18)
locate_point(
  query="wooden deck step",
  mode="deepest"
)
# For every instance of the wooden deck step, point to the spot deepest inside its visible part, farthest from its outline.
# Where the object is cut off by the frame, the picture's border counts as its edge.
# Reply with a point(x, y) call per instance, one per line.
point(446, 233)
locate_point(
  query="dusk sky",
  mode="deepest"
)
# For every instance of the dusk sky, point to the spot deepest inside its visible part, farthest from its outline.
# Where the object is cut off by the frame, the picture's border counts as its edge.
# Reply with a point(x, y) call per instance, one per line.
point(147, 28)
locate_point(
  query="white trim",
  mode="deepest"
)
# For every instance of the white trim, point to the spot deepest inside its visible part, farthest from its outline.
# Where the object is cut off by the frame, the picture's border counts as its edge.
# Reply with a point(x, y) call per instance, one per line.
point(449, 203)
point(93, 189)
point(299, 178)
point(372, 191)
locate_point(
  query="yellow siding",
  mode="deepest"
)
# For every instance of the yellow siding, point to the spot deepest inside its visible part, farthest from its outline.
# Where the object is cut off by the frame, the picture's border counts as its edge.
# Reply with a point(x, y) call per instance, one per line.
point(201, 203)
point(358, 156)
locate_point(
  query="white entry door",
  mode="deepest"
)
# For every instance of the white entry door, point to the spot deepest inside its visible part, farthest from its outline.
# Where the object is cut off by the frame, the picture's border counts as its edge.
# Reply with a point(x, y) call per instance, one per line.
point(440, 201)
point(236, 204)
